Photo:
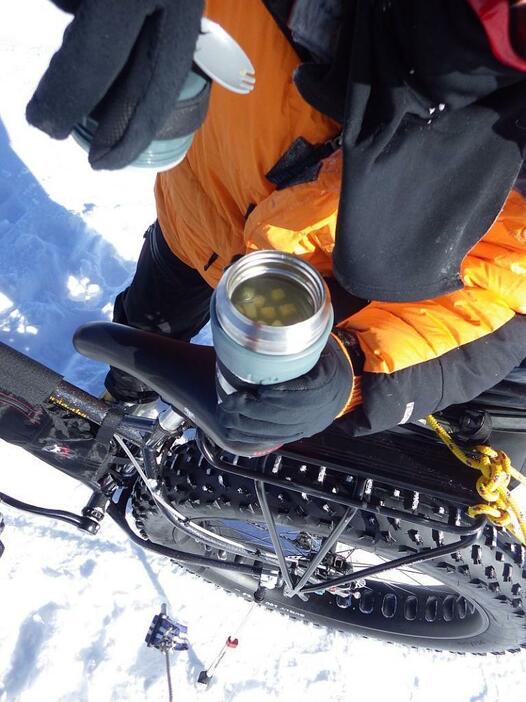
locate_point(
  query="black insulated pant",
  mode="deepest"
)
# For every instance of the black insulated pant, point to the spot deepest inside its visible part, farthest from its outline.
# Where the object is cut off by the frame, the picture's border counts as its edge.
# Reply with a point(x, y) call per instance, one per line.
point(166, 297)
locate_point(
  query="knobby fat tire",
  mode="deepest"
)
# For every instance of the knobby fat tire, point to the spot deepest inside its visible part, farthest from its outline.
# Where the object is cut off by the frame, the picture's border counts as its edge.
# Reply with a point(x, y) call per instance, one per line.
point(489, 574)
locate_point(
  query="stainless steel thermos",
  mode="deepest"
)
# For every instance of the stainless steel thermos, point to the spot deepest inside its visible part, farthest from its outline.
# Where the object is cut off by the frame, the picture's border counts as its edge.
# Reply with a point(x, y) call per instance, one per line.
point(271, 316)
point(161, 154)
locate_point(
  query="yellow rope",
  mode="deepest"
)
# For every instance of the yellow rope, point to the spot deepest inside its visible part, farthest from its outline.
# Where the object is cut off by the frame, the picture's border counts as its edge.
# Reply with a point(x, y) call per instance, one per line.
point(492, 485)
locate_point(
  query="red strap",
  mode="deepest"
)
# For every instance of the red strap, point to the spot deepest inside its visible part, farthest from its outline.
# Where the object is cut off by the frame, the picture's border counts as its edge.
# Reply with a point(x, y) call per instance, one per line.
point(495, 17)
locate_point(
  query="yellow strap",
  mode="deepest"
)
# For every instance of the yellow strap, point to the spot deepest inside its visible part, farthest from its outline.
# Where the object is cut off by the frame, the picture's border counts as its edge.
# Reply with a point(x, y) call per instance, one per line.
point(496, 472)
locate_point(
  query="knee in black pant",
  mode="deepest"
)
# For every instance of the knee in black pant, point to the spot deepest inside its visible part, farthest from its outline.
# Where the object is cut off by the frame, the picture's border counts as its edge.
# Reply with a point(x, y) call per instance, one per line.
point(124, 387)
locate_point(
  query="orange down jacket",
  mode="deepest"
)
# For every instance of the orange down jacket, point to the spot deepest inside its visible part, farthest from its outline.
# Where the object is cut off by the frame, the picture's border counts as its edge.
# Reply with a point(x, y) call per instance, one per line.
point(417, 357)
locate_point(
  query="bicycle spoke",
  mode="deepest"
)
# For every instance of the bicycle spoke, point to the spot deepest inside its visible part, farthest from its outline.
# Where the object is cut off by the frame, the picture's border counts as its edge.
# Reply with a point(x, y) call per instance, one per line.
point(324, 550)
point(408, 573)
point(425, 555)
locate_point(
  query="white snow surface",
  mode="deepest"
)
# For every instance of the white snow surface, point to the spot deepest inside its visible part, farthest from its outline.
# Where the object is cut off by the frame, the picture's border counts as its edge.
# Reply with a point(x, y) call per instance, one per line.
point(74, 609)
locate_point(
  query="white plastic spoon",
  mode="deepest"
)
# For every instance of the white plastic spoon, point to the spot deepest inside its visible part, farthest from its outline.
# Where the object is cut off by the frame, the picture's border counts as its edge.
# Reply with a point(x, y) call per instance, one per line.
point(221, 58)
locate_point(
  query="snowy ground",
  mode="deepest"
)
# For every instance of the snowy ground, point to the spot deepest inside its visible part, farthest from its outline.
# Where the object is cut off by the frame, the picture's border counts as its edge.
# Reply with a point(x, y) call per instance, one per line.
point(73, 609)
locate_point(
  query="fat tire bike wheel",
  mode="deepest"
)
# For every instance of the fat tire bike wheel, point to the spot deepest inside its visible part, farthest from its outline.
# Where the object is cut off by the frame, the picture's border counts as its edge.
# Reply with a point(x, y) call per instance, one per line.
point(468, 601)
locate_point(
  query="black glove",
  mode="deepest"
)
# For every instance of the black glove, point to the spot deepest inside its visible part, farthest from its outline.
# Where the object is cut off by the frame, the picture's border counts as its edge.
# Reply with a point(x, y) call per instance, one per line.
point(278, 414)
point(126, 58)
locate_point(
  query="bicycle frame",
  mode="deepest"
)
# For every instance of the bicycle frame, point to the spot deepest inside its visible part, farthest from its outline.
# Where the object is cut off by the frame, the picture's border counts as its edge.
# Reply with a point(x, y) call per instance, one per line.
point(147, 436)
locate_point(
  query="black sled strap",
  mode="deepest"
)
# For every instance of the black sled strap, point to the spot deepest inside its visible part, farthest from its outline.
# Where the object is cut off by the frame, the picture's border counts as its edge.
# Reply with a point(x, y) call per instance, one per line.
point(109, 426)
point(101, 445)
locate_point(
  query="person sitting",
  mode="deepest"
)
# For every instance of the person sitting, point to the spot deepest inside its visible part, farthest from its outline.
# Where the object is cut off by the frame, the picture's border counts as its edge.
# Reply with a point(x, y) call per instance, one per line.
point(381, 143)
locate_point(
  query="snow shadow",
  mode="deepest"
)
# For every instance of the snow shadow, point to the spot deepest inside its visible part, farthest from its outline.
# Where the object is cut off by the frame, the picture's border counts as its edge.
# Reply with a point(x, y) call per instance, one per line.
point(36, 531)
point(34, 632)
point(55, 273)
point(152, 575)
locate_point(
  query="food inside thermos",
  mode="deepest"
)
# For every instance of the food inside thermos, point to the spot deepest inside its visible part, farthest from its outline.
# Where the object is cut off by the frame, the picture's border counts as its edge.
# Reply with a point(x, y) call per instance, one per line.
point(273, 300)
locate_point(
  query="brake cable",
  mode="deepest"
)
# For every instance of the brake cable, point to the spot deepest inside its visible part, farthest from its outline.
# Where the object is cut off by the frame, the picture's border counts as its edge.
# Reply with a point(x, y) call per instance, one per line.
point(499, 506)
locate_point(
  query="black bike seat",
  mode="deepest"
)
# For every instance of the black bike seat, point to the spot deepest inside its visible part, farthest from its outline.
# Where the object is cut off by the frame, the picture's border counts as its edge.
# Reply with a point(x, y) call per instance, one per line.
point(182, 373)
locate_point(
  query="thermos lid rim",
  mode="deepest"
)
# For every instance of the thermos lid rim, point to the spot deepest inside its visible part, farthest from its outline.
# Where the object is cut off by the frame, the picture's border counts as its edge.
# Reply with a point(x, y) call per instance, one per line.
point(268, 339)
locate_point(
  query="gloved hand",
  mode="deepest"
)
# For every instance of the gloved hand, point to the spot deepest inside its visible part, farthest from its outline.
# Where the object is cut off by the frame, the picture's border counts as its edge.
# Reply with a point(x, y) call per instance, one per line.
point(126, 58)
point(285, 412)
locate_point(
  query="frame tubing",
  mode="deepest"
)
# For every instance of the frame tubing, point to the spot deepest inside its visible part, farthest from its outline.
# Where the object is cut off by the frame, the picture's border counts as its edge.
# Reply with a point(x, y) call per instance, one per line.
point(117, 512)
point(276, 542)
point(426, 555)
point(179, 522)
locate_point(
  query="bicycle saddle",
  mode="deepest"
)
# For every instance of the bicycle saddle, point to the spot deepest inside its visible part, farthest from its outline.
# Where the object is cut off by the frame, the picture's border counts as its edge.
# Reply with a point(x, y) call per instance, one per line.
point(182, 373)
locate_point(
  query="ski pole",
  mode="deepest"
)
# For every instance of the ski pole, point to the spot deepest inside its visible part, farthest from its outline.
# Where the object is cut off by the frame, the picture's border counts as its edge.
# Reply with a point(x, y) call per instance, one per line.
point(232, 642)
